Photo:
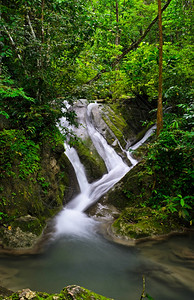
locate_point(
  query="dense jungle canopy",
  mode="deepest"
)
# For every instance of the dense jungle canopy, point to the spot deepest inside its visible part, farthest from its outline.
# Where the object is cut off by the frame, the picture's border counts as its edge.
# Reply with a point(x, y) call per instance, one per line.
point(59, 50)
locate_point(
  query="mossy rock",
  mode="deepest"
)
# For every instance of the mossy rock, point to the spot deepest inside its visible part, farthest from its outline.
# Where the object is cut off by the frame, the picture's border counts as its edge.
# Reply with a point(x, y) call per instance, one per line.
point(28, 224)
point(22, 232)
point(94, 165)
point(72, 292)
point(133, 188)
point(140, 223)
point(116, 122)
point(79, 293)
point(15, 238)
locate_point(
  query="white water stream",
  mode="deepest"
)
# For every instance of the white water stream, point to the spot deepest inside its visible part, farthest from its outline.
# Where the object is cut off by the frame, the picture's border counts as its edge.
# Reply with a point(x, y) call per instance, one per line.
point(72, 220)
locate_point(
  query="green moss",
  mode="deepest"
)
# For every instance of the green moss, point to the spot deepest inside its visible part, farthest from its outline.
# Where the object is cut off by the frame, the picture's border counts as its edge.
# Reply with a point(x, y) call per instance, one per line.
point(68, 293)
point(141, 222)
point(28, 224)
point(93, 163)
point(115, 121)
point(61, 192)
point(80, 293)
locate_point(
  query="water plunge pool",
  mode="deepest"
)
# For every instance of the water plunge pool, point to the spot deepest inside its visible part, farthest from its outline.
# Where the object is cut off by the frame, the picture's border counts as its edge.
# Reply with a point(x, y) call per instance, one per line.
point(106, 268)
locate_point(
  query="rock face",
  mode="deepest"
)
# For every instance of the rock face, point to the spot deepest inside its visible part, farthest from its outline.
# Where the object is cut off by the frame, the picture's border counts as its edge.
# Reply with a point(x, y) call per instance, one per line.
point(73, 292)
point(31, 202)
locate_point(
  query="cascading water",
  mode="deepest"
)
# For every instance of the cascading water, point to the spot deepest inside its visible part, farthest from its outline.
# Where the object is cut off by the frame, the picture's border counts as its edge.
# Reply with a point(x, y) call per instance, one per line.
point(72, 220)
point(146, 136)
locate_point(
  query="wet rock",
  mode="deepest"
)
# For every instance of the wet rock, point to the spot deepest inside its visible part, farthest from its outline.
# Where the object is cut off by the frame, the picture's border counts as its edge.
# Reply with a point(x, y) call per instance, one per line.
point(103, 212)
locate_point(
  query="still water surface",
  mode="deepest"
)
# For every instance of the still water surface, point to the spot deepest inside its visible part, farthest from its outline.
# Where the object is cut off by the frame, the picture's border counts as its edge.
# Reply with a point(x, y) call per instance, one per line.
point(109, 269)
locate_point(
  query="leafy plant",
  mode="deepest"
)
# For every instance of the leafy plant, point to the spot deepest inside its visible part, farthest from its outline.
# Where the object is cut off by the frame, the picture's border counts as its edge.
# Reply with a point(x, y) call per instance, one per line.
point(19, 150)
point(171, 163)
point(3, 216)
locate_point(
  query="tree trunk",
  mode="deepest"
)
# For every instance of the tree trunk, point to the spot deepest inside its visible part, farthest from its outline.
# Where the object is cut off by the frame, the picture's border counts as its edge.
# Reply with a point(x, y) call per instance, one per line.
point(159, 110)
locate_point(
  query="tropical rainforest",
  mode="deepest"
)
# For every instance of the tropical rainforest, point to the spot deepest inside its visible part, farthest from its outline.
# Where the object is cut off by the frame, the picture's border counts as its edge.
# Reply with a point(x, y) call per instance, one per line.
point(56, 52)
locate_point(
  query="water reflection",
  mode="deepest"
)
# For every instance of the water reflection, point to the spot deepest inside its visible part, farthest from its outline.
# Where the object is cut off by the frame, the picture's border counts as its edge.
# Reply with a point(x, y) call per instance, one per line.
point(175, 258)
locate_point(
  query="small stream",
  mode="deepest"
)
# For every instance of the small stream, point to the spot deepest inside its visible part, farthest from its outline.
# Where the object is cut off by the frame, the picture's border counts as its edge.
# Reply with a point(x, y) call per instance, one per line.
point(78, 254)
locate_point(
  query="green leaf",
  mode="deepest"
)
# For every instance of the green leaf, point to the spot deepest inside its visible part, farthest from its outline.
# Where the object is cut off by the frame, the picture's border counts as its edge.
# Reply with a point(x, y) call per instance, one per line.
point(4, 114)
point(182, 202)
point(149, 297)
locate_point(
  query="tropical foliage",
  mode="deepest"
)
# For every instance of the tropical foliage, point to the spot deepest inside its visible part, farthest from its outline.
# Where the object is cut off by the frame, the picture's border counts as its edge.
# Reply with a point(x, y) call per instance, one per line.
point(170, 161)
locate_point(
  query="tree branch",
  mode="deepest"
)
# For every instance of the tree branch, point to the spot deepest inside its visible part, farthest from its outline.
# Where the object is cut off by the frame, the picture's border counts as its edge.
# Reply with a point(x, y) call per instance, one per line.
point(130, 48)
point(30, 25)
point(13, 43)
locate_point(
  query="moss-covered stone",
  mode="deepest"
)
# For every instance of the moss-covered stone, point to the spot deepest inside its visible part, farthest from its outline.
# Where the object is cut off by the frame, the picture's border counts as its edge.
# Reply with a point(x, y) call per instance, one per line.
point(136, 220)
point(93, 163)
point(140, 223)
point(28, 224)
point(72, 292)
point(134, 187)
point(79, 293)
point(15, 238)
point(116, 122)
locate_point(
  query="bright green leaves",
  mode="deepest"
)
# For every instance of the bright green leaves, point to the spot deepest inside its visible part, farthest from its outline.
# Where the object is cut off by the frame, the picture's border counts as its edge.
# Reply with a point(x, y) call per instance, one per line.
point(187, 120)
point(177, 73)
point(44, 38)
point(18, 151)
point(179, 205)
point(10, 92)
point(64, 44)
point(141, 67)
point(177, 22)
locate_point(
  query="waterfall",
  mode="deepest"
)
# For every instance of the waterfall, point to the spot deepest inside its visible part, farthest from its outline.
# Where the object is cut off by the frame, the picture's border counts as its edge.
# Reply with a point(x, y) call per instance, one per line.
point(72, 220)
point(145, 137)
point(108, 154)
